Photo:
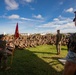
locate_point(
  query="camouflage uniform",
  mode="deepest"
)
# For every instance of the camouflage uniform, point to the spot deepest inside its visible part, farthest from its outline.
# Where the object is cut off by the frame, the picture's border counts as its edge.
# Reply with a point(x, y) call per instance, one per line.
point(58, 43)
point(3, 53)
point(71, 56)
point(70, 65)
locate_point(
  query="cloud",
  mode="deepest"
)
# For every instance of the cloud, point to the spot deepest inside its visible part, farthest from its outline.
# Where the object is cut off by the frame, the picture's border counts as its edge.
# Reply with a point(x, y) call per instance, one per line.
point(28, 1)
point(56, 19)
point(11, 5)
point(17, 17)
point(33, 20)
point(32, 25)
point(61, 23)
point(70, 10)
point(14, 16)
point(32, 8)
point(38, 16)
point(61, 3)
point(56, 23)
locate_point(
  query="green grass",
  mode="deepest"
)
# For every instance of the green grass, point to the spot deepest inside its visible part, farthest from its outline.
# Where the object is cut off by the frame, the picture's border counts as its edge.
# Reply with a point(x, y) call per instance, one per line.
point(41, 60)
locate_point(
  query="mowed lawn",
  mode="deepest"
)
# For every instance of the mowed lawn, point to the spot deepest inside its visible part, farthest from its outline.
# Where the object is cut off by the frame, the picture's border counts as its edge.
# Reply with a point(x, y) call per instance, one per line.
point(41, 60)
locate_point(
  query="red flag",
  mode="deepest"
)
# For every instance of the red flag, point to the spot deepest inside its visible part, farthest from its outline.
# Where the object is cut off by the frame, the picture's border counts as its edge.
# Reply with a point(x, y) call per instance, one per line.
point(16, 32)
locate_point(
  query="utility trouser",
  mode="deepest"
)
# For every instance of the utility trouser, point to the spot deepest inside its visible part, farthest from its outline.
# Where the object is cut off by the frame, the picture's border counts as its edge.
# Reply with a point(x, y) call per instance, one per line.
point(58, 47)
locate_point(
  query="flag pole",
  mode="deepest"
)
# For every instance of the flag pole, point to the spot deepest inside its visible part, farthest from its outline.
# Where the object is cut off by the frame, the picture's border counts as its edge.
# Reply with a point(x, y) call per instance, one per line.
point(16, 35)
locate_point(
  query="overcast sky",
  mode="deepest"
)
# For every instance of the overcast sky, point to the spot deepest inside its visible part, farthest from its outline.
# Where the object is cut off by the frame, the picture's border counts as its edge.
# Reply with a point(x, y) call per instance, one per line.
point(37, 16)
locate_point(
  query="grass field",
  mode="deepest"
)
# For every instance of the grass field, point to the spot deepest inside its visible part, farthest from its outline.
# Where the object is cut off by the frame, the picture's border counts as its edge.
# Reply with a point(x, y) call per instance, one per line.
point(41, 60)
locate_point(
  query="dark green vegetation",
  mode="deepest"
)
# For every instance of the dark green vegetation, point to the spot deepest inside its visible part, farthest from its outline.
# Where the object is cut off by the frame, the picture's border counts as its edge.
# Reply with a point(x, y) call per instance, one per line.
point(41, 60)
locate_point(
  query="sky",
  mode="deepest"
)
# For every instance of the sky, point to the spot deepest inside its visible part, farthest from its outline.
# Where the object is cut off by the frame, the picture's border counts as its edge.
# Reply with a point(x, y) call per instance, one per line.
point(37, 16)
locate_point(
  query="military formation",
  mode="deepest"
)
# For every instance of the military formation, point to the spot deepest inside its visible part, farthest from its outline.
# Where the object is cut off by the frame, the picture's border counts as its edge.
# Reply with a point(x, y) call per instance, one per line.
point(34, 40)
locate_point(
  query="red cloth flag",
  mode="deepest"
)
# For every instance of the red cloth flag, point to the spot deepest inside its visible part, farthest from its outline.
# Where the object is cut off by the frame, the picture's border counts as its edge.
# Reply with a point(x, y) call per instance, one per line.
point(16, 32)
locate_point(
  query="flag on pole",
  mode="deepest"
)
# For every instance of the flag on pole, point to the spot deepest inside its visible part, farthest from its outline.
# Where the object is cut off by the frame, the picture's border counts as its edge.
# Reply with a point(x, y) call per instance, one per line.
point(16, 32)
point(16, 35)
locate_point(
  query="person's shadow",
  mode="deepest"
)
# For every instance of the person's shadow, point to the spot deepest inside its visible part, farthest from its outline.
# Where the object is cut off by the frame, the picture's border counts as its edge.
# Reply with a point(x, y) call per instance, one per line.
point(26, 62)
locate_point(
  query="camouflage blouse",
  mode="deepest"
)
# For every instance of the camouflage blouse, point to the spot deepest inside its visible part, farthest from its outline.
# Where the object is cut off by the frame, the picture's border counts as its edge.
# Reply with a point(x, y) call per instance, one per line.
point(58, 38)
point(2, 44)
point(72, 42)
